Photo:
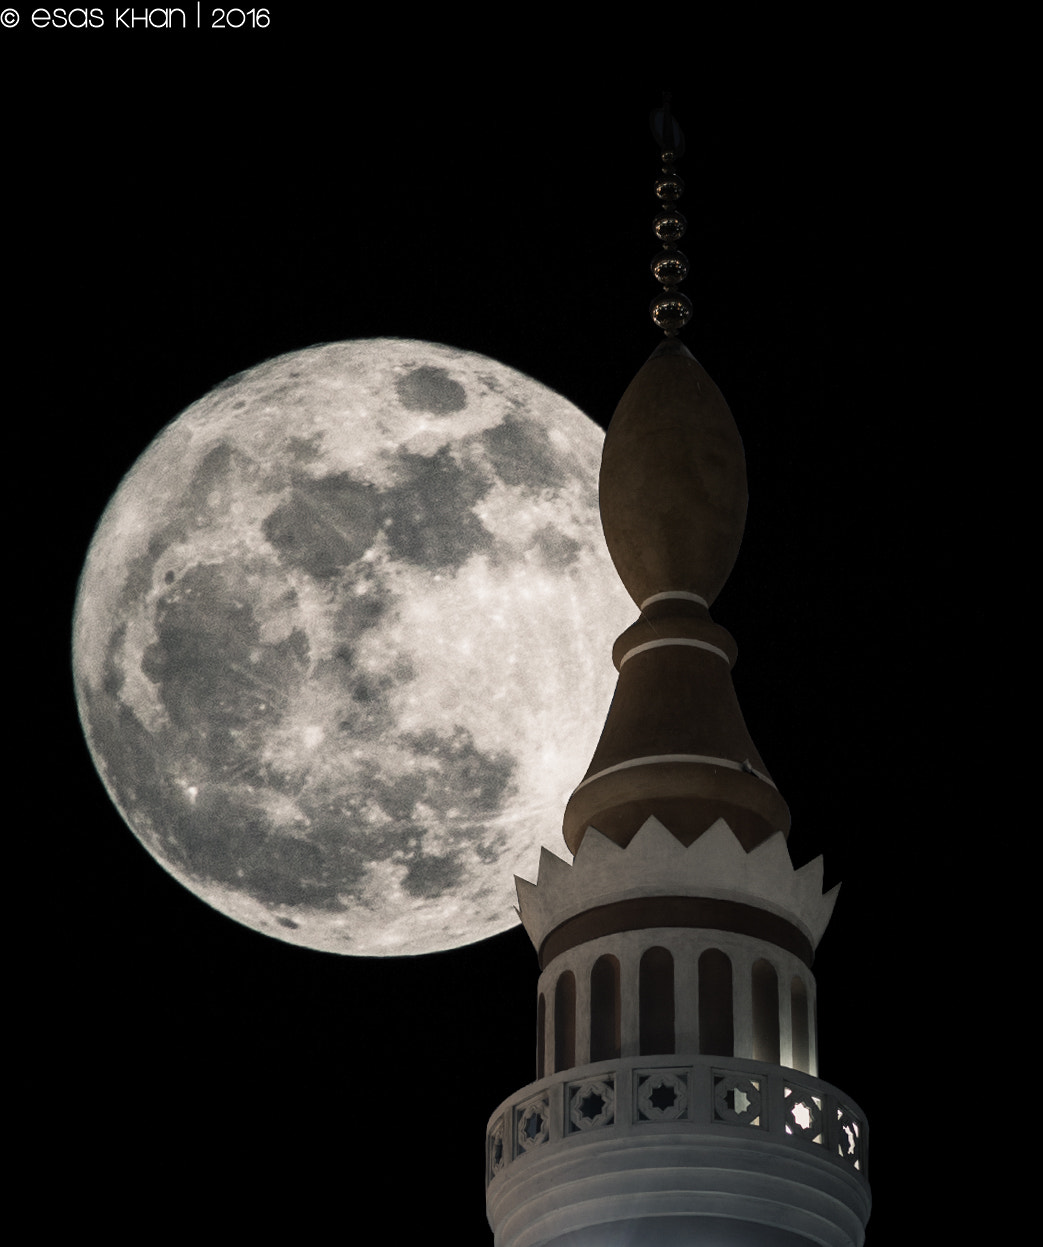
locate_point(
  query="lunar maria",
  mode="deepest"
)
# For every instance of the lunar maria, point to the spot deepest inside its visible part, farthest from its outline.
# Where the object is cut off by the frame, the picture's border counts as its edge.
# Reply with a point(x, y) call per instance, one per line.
point(341, 642)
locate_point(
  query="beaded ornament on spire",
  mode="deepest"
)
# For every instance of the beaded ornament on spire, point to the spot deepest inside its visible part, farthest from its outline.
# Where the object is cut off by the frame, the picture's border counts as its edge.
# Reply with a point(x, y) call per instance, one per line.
point(671, 310)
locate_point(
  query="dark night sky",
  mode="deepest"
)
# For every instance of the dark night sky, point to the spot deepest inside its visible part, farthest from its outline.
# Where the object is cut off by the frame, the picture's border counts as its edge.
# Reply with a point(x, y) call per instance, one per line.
point(198, 204)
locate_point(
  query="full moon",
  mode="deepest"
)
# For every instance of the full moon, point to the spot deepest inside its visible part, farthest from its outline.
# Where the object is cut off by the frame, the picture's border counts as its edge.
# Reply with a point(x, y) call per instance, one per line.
point(342, 642)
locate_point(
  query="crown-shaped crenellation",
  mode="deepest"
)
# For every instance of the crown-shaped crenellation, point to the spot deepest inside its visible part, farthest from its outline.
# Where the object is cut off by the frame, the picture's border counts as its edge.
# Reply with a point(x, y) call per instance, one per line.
point(656, 863)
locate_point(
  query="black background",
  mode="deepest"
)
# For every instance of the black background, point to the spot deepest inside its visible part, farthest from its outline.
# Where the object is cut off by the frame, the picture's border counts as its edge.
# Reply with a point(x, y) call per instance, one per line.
point(189, 204)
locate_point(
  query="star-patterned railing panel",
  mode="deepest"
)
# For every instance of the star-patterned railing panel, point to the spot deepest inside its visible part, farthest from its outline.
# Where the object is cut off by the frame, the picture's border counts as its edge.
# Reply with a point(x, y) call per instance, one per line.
point(700, 1094)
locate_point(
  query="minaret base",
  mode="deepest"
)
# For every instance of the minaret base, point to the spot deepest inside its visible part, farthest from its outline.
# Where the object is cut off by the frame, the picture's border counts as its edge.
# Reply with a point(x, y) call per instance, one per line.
point(672, 1150)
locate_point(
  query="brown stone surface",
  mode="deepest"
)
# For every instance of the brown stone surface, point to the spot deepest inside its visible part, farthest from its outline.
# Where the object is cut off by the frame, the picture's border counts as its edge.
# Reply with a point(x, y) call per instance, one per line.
point(646, 912)
point(673, 507)
point(687, 797)
point(676, 700)
point(674, 618)
point(673, 480)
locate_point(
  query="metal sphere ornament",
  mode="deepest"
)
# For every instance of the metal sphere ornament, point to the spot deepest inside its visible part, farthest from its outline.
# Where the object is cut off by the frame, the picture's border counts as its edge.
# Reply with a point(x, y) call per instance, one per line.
point(670, 268)
point(671, 311)
point(669, 187)
point(670, 226)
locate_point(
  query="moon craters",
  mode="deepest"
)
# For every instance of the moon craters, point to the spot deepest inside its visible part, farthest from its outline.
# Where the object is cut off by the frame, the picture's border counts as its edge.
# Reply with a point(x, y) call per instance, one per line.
point(321, 649)
point(430, 389)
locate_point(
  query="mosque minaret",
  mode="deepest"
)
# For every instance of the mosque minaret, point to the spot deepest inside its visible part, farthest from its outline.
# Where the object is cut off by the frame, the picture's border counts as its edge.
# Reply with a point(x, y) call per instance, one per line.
point(676, 1098)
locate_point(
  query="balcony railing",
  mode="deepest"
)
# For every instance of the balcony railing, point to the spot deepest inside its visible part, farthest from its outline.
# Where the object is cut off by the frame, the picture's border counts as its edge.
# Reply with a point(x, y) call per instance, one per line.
point(679, 1095)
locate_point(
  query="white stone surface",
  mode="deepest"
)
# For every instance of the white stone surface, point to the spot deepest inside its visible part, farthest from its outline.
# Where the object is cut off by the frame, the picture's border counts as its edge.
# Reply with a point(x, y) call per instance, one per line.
point(685, 946)
point(704, 1177)
point(655, 863)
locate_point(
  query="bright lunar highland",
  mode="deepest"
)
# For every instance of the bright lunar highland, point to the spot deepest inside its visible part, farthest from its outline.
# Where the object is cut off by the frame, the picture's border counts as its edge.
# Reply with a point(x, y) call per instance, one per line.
point(342, 642)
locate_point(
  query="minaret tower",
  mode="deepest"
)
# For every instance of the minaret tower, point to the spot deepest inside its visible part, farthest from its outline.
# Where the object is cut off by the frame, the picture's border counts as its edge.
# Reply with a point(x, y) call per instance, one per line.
point(676, 1098)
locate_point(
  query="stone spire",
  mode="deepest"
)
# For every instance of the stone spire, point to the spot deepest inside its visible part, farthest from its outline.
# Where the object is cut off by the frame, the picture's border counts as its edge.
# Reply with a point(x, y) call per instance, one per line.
point(677, 1097)
point(673, 506)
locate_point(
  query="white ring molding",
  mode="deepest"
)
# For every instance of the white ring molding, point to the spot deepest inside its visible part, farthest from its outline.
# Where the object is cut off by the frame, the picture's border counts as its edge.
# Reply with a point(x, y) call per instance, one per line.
point(638, 649)
point(682, 594)
point(706, 758)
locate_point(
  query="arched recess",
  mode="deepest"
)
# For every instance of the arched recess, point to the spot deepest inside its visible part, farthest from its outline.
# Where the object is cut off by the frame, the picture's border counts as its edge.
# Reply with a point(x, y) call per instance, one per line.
point(565, 1021)
point(541, 1036)
point(799, 1024)
point(716, 1021)
point(656, 1002)
point(765, 984)
point(605, 1011)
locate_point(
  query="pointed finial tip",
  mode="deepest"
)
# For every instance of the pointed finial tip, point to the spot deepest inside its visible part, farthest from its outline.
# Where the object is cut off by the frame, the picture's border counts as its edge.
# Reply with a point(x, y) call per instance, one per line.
point(667, 133)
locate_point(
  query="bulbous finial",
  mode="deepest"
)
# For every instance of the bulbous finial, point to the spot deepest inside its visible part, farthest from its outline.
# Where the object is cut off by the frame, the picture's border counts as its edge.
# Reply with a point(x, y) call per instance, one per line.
point(673, 481)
